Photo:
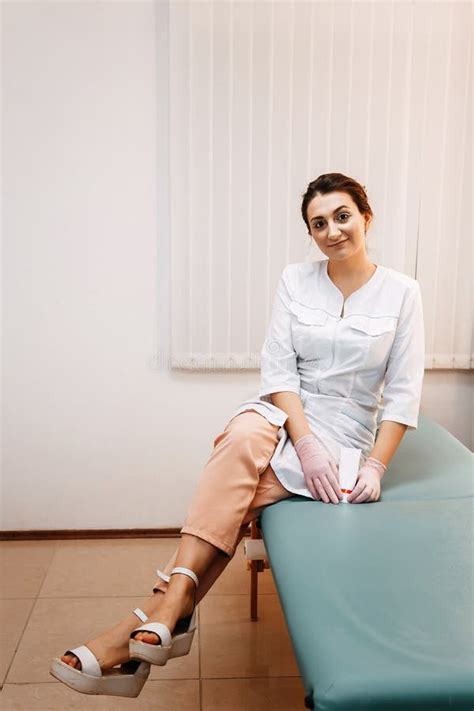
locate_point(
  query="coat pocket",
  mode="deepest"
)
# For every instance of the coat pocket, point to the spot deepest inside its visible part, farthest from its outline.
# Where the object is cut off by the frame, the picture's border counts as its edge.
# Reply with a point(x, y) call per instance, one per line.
point(308, 315)
point(375, 335)
point(311, 332)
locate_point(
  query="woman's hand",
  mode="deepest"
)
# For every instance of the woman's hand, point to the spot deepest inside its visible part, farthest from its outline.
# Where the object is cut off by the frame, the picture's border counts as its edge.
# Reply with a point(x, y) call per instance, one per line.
point(368, 482)
point(319, 469)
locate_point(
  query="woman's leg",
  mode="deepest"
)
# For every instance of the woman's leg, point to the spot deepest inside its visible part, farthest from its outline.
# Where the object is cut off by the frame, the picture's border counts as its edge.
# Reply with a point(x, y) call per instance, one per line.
point(215, 569)
point(224, 494)
point(269, 491)
point(219, 506)
point(217, 519)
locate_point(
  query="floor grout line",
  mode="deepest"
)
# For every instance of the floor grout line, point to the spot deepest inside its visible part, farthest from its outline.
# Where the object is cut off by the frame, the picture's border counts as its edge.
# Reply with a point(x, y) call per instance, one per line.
point(199, 658)
point(9, 666)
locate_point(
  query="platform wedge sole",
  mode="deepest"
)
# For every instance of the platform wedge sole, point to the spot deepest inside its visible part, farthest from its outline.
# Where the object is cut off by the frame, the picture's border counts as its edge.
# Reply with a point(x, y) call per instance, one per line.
point(178, 644)
point(113, 682)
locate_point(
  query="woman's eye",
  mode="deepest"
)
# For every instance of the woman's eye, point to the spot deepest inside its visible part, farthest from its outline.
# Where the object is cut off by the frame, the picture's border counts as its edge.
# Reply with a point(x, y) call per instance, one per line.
point(318, 225)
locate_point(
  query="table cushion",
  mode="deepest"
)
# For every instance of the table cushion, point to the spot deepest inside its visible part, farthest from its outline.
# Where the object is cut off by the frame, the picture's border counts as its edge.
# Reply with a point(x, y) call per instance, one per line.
point(429, 464)
point(378, 597)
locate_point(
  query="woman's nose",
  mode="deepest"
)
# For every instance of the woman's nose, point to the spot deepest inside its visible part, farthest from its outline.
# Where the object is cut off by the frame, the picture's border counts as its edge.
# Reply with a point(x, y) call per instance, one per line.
point(333, 231)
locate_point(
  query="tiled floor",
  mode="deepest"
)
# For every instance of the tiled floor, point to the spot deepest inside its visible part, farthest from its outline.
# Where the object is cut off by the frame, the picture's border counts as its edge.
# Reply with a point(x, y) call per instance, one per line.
point(57, 594)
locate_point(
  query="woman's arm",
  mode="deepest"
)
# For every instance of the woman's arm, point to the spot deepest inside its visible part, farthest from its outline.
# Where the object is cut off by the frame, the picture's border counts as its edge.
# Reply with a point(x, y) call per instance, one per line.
point(406, 364)
point(403, 378)
point(319, 468)
point(389, 436)
point(296, 425)
point(278, 360)
point(370, 474)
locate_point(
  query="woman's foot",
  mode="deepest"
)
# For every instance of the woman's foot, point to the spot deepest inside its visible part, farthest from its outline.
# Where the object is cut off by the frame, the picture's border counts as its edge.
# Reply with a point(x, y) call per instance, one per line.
point(176, 604)
point(111, 647)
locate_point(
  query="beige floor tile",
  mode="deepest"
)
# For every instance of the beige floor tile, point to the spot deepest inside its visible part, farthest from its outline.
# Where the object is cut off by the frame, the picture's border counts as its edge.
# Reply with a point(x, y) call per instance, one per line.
point(252, 694)
point(106, 568)
point(155, 696)
point(13, 617)
point(235, 580)
point(23, 565)
point(126, 567)
point(59, 624)
point(234, 646)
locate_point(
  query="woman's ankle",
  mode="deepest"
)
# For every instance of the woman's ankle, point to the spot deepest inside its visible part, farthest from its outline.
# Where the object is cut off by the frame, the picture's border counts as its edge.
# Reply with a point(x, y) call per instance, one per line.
point(177, 603)
point(160, 588)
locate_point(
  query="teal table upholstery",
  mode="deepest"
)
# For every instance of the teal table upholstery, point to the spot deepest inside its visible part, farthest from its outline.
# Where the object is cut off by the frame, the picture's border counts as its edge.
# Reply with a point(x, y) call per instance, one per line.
point(378, 597)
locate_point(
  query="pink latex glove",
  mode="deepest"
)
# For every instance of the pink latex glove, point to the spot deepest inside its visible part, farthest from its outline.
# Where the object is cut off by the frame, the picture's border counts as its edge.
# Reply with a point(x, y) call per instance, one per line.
point(367, 487)
point(319, 469)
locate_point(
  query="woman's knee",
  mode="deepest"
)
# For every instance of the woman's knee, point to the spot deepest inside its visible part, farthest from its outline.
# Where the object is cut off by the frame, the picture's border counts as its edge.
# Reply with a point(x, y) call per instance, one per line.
point(249, 425)
point(249, 436)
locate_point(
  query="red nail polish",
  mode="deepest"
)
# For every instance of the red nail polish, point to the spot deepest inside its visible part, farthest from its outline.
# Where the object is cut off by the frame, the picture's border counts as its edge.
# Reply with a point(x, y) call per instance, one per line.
point(349, 460)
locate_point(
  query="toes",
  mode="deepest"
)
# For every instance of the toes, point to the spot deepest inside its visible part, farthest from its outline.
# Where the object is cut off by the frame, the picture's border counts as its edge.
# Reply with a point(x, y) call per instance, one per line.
point(72, 660)
point(147, 637)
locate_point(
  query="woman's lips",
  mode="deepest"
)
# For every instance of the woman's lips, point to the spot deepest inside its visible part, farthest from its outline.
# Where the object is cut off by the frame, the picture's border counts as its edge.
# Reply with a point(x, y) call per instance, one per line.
point(341, 242)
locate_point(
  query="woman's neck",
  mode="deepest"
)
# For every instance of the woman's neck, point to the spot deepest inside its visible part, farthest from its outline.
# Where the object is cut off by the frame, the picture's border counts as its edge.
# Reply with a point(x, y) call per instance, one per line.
point(351, 270)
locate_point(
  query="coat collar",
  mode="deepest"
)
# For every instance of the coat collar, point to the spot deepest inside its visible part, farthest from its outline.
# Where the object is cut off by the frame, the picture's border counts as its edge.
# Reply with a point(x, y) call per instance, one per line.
point(331, 298)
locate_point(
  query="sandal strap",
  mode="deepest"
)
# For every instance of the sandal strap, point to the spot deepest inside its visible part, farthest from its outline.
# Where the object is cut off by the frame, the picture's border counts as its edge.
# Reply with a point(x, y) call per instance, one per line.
point(163, 576)
point(140, 614)
point(188, 572)
point(158, 628)
point(88, 660)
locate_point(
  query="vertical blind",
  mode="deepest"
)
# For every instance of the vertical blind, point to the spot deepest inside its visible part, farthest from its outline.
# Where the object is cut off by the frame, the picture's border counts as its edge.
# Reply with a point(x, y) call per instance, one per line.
point(264, 97)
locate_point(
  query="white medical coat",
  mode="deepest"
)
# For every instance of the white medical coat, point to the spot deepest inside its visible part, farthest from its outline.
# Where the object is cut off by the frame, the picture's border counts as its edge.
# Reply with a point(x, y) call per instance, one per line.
point(341, 365)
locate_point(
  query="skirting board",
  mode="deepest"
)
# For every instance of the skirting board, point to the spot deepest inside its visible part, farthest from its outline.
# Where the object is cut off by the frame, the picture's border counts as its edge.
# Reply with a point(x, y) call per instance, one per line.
point(42, 535)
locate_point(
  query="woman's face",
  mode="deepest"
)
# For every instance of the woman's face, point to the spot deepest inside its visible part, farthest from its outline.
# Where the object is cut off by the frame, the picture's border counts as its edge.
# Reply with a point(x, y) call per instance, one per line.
point(336, 225)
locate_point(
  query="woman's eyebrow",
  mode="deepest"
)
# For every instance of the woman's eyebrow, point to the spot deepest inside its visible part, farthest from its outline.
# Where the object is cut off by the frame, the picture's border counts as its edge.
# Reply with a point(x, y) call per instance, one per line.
point(318, 217)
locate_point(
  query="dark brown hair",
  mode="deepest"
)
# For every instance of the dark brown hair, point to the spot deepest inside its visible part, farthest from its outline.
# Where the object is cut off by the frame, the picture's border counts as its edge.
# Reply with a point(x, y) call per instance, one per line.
point(330, 182)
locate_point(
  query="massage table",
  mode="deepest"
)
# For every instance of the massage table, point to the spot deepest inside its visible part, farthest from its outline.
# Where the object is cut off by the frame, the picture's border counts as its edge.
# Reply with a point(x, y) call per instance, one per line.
point(378, 597)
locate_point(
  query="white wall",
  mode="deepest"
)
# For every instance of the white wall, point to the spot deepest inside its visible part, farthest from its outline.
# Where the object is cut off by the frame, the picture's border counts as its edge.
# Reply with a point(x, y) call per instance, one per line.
point(97, 431)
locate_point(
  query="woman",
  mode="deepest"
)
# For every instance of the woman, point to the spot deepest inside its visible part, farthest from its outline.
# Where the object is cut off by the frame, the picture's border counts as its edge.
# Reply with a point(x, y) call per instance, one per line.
point(341, 330)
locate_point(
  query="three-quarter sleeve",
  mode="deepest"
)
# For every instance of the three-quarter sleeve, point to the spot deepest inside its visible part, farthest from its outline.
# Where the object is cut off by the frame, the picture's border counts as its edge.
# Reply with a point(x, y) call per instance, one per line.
point(406, 364)
point(278, 363)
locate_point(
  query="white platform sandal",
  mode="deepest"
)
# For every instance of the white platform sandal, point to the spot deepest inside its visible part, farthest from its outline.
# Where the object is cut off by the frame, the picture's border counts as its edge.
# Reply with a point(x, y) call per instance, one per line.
point(175, 644)
point(126, 680)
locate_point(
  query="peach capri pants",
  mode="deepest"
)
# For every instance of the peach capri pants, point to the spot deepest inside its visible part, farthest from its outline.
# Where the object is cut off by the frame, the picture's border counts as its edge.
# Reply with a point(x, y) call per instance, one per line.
point(236, 485)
